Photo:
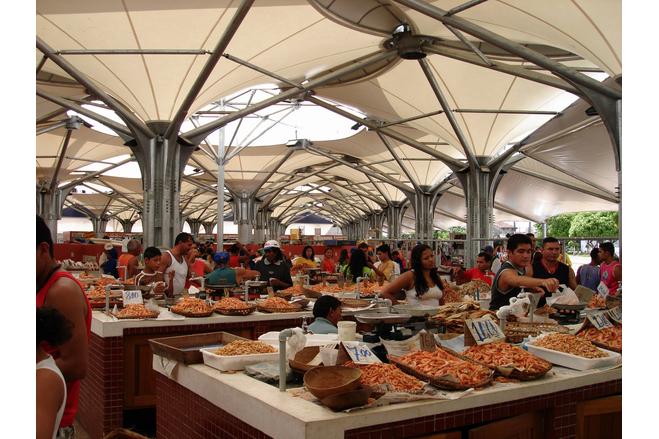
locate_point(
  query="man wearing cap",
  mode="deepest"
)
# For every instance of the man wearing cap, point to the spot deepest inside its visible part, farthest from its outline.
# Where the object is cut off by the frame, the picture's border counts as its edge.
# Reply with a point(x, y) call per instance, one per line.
point(273, 268)
point(496, 263)
point(232, 276)
point(103, 259)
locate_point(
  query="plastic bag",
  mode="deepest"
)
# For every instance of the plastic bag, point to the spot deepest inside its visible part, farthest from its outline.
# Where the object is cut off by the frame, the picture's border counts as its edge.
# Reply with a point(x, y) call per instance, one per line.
point(563, 296)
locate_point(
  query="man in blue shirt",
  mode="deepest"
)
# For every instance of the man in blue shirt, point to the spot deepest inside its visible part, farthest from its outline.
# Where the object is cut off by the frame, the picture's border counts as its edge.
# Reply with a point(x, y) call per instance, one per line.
point(327, 313)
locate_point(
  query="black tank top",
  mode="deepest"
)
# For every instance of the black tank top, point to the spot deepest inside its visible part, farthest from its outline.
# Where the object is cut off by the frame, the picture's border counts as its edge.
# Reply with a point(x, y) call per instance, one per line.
point(562, 273)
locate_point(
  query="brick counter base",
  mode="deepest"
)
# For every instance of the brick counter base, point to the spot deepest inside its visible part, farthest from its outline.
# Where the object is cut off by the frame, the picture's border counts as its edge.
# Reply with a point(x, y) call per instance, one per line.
point(183, 414)
point(101, 405)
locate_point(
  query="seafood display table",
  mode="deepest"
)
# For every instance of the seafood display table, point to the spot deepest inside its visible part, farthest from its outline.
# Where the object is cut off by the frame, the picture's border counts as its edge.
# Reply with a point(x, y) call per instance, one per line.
point(197, 401)
point(120, 375)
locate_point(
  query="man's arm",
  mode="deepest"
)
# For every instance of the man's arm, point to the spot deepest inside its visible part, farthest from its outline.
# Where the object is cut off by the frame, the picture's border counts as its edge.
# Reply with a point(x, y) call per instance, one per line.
point(572, 281)
point(165, 261)
point(66, 296)
point(132, 267)
point(510, 278)
point(617, 272)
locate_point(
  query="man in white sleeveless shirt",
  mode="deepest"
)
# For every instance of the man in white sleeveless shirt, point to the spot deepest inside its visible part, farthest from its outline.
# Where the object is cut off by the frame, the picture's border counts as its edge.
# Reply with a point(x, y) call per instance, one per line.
point(176, 260)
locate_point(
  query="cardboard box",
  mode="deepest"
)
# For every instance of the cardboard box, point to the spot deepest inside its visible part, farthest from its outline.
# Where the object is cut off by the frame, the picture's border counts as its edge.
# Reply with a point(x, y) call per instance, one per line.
point(186, 349)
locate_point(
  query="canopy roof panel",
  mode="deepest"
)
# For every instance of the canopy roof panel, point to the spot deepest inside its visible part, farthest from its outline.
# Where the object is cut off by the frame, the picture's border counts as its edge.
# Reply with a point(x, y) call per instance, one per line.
point(495, 71)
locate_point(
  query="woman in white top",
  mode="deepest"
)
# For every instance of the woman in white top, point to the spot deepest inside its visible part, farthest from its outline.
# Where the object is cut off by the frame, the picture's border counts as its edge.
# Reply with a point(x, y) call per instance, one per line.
point(422, 284)
point(55, 329)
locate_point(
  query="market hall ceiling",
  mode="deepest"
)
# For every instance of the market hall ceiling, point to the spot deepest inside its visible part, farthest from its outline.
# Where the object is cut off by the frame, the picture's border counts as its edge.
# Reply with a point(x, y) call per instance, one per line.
point(442, 92)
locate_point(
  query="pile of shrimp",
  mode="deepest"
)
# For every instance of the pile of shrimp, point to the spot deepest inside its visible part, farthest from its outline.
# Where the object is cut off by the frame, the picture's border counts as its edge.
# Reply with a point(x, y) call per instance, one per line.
point(441, 363)
point(192, 305)
point(611, 336)
point(380, 373)
point(505, 354)
point(230, 303)
point(570, 344)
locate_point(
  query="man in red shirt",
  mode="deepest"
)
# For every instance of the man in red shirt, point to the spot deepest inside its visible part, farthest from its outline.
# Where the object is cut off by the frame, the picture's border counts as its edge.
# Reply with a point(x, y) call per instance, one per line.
point(57, 288)
point(481, 270)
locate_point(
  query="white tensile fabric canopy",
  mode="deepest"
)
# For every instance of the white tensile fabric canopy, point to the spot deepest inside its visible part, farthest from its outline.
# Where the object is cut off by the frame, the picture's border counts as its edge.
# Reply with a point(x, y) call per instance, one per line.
point(467, 98)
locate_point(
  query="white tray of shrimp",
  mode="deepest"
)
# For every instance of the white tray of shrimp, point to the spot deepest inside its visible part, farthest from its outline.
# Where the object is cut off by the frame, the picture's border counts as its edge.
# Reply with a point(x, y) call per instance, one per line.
point(574, 361)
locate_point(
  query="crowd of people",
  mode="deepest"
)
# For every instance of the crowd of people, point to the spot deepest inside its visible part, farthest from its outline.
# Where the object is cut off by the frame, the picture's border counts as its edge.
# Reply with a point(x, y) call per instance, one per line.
point(64, 312)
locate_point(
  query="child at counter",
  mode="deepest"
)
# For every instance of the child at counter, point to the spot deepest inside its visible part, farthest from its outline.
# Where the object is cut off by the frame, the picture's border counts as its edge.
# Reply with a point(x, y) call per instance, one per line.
point(151, 275)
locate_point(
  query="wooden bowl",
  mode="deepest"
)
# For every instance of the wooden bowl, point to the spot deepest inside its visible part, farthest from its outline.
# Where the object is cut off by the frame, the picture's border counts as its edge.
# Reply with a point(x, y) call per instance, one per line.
point(326, 381)
point(348, 400)
point(302, 359)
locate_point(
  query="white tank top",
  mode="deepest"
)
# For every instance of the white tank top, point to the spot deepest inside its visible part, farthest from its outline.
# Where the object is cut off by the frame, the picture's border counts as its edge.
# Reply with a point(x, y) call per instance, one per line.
point(49, 363)
point(181, 273)
point(430, 297)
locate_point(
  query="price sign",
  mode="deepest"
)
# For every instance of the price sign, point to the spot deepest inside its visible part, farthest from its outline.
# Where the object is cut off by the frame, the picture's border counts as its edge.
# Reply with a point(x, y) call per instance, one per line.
point(360, 353)
point(131, 297)
point(271, 292)
point(427, 341)
point(484, 330)
point(226, 292)
point(615, 314)
point(602, 290)
point(599, 320)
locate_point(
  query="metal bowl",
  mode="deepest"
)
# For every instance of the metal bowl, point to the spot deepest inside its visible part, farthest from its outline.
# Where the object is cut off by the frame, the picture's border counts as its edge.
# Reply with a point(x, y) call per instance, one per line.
point(417, 310)
point(382, 317)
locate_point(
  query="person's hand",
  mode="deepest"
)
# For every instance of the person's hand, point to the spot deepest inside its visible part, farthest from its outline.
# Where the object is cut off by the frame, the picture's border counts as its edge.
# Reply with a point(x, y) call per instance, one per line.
point(551, 284)
point(160, 287)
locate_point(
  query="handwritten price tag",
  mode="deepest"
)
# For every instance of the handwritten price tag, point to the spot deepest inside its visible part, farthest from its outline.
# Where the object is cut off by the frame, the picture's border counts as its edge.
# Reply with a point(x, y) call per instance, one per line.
point(600, 320)
point(360, 353)
point(484, 330)
point(616, 315)
point(131, 297)
point(271, 292)
point(427, 341)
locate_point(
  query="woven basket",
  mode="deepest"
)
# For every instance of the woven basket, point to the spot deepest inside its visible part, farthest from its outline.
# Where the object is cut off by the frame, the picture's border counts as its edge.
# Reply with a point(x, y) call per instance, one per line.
point(285, 296)
point(520, 374)
point(516, 332)
point(355, 303)
point(153, 315)
point(191, 314)
point(295, 307)
point(235, 311)
point(441, 383)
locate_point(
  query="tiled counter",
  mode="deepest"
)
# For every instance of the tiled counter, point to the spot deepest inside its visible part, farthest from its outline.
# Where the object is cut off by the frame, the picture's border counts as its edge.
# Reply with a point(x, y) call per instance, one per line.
point(197, 401)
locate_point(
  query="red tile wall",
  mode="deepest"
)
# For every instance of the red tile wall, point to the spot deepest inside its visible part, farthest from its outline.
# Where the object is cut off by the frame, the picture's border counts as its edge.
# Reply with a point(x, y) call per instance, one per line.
point(183, 414)
point(100, 408)
point(207, 421)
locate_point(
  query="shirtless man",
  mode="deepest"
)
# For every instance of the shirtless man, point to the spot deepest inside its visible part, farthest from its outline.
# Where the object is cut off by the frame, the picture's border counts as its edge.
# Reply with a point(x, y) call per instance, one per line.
point(176, 260)
point(517, 273)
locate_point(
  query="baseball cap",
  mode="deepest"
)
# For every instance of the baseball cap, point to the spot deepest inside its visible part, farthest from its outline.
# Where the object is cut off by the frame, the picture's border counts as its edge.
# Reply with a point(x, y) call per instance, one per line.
point(221, 257)
point(107, 246)
point(489, 248)
point(270, 244)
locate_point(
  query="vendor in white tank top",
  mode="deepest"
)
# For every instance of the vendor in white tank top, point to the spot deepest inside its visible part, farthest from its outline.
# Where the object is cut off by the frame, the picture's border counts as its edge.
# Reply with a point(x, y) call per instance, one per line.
point(176, 260)
point(422, 284)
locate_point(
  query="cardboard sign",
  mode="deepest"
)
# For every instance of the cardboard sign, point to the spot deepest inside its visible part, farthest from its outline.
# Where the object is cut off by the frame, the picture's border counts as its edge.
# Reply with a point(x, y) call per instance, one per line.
point(602, 290)
point(271, 292)
point(360, 353)
point(427, 341)
point(599, 320)
point(482, 330)
point(615, 314)
point(131, 297)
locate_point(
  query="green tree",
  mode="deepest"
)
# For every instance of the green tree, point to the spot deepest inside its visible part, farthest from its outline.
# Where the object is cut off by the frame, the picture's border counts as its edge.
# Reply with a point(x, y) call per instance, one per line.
point(594, 224)
point(558, 226)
